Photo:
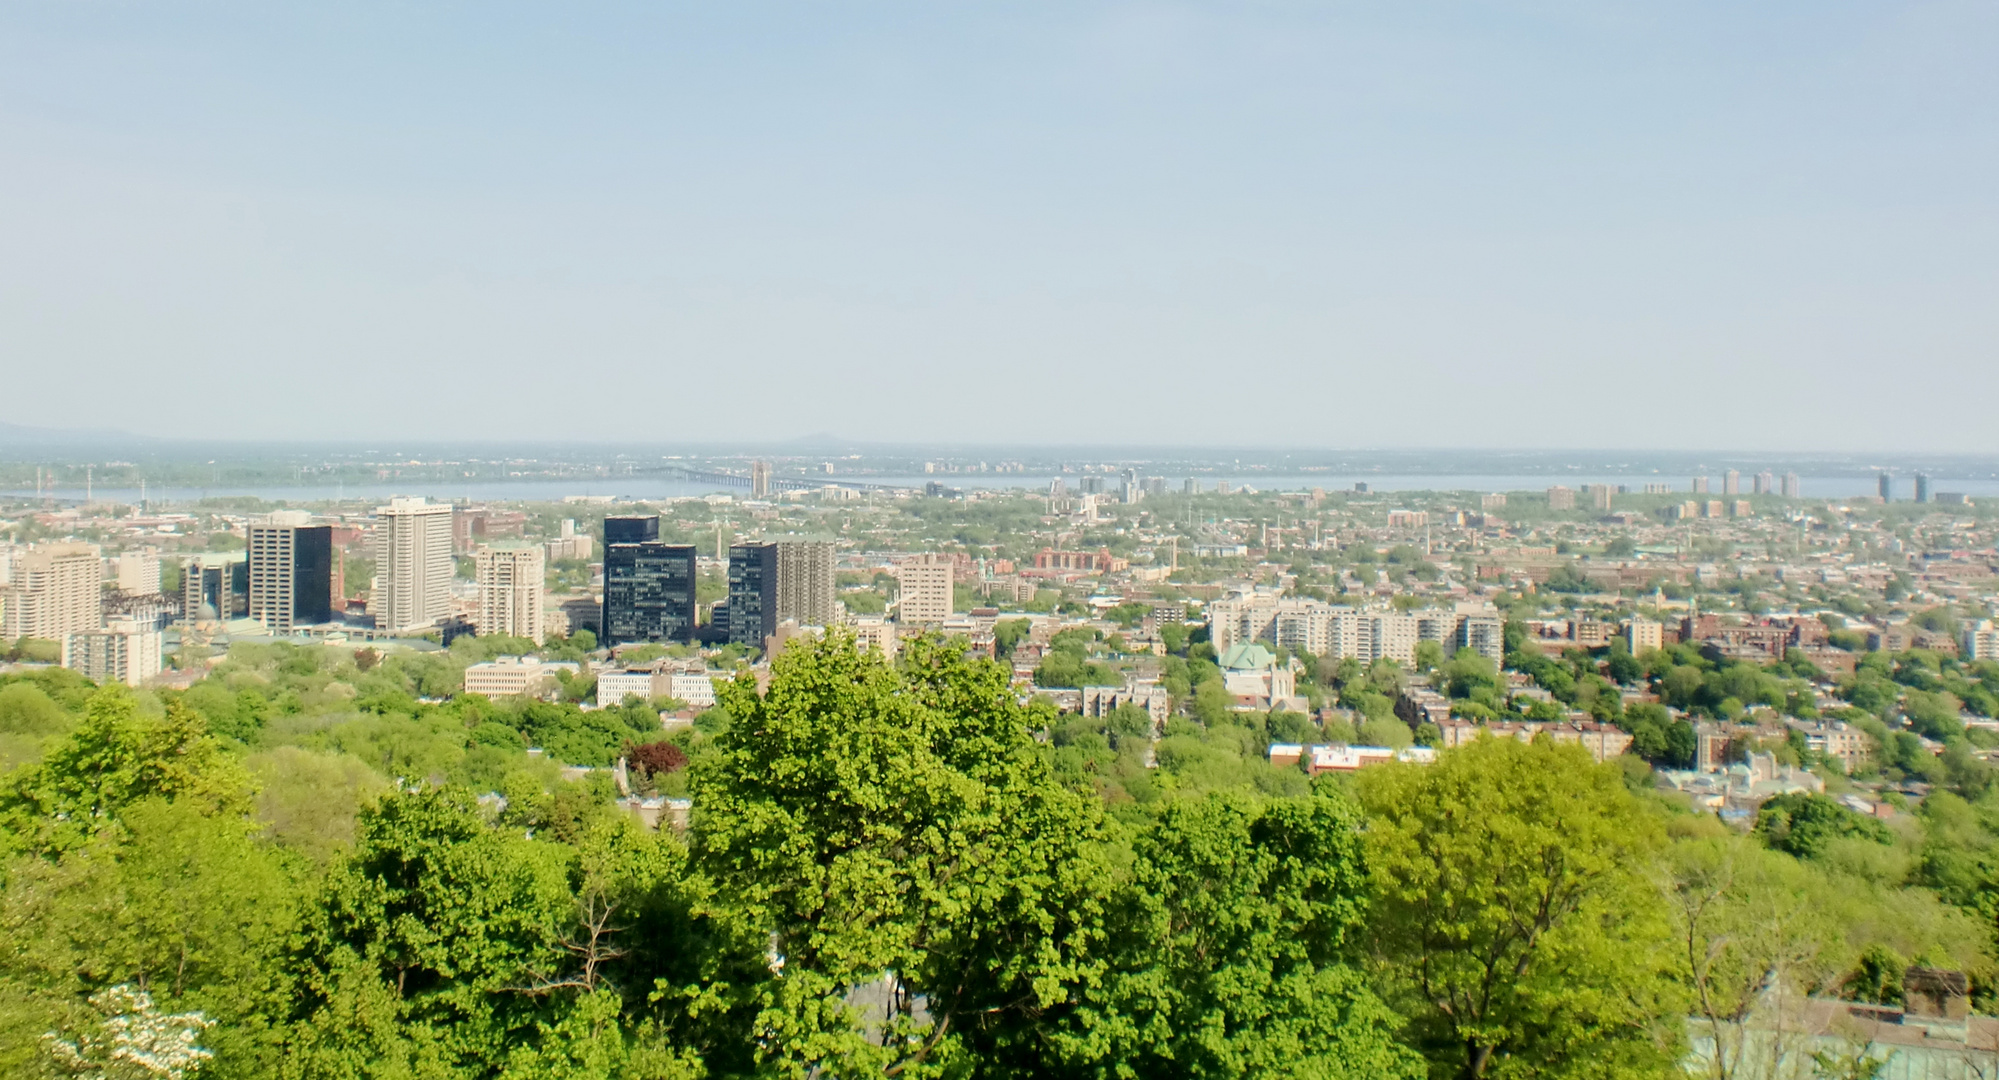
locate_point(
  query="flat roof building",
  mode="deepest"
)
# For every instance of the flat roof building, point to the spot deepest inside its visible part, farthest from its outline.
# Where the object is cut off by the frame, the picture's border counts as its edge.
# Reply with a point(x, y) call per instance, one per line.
point(124, 652)
point(511, 587)
point(925, 589)
point(649, 586)
point(54, 591)
point(291, 573)
point(414, 566)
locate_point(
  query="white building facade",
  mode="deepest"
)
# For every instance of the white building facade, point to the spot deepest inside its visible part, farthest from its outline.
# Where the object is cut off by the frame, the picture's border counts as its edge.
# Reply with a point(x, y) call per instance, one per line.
point(413, 564)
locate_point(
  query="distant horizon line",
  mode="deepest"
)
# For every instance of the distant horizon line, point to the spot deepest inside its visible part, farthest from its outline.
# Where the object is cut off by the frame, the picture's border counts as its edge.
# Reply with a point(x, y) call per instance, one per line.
point(18, 440)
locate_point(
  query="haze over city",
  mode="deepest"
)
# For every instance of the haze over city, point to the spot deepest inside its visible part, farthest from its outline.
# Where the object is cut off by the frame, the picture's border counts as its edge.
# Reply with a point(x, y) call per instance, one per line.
point(1507, 225)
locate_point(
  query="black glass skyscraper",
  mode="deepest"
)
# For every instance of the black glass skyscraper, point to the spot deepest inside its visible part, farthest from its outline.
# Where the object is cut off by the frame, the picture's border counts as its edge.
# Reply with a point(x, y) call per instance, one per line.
point(312, 575)
point(648, 585)
point(752, 593)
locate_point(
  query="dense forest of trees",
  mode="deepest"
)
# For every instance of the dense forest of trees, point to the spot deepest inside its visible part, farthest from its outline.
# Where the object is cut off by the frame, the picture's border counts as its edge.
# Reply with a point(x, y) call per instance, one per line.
point(294, 870)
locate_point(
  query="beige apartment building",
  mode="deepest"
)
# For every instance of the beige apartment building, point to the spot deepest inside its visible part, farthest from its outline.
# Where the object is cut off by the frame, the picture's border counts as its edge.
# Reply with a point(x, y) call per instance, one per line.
point(54, 591)
point(1644, 634)
point(877, 633)
point(138, 572)
point(925, 584)
point(123, 652)
point(413, 564)
point(511, 587)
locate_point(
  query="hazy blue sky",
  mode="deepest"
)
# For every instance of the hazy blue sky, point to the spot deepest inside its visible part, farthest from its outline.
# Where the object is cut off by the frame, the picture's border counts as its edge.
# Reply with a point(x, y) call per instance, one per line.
point(1761, 225)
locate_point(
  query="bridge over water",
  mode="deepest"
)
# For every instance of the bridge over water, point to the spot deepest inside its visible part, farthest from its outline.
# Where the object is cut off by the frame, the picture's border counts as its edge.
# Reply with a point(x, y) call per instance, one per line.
point(777, 483)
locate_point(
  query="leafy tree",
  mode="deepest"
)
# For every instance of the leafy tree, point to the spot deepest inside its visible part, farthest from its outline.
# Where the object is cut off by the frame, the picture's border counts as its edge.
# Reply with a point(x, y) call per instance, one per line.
point(1212, 702)
point(1514, 922)
point(1805, 824)
point(1755, 933)
point(897, 834)
point(117, 756)
point(1624, 667)
point(1470, 675)
point(650, 761)
point(310, 801)
point(1008, 633)
point(133, 1039)
point(411, 950)
point(178, 900)
point(1231, 950)
point(1567, 579)
point(1429, 655)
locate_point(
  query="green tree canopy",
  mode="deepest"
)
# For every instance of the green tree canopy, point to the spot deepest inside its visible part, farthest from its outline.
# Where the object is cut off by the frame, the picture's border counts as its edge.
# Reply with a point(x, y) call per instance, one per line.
point(898, 837)
point(1515, 925)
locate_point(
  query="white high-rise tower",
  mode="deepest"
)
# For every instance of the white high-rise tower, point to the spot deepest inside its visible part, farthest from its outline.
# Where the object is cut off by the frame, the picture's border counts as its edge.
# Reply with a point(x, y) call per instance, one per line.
point(413, 564)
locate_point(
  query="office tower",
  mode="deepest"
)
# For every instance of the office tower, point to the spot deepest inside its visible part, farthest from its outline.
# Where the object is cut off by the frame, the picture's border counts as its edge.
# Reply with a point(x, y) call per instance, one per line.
point(1887, 488)
point(1790, 485)
point(413, 564)
point(771, 583)
point(126, 651)
point(1191, 486)
point(1561, 498)
point(54, 591)
point(1091, 485)
point(925, 590)
point(510, 578)
point(1700, 485)
point(215, 586)
point(1057, 489)
point(1766, 483)
point(1600, 496)
point(291, 572)
point(1731, 482)
point(1922, 487)
point(1156, 485)
point(1128, 490)
point(648, 584)
point(759, 479)
point(752, 593)
point(630, 530)
point(138, 572)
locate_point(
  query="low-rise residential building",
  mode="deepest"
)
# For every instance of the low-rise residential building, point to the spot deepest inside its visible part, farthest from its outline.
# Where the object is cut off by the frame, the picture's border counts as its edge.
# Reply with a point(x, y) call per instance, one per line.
point(1417, 705)
point(1342, 757)
point(1150, 696)
point(512, 676)
point(1603, 741)
point(1099, 561)
point(616, 687)
point(1837, 740)
point(695, 688)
